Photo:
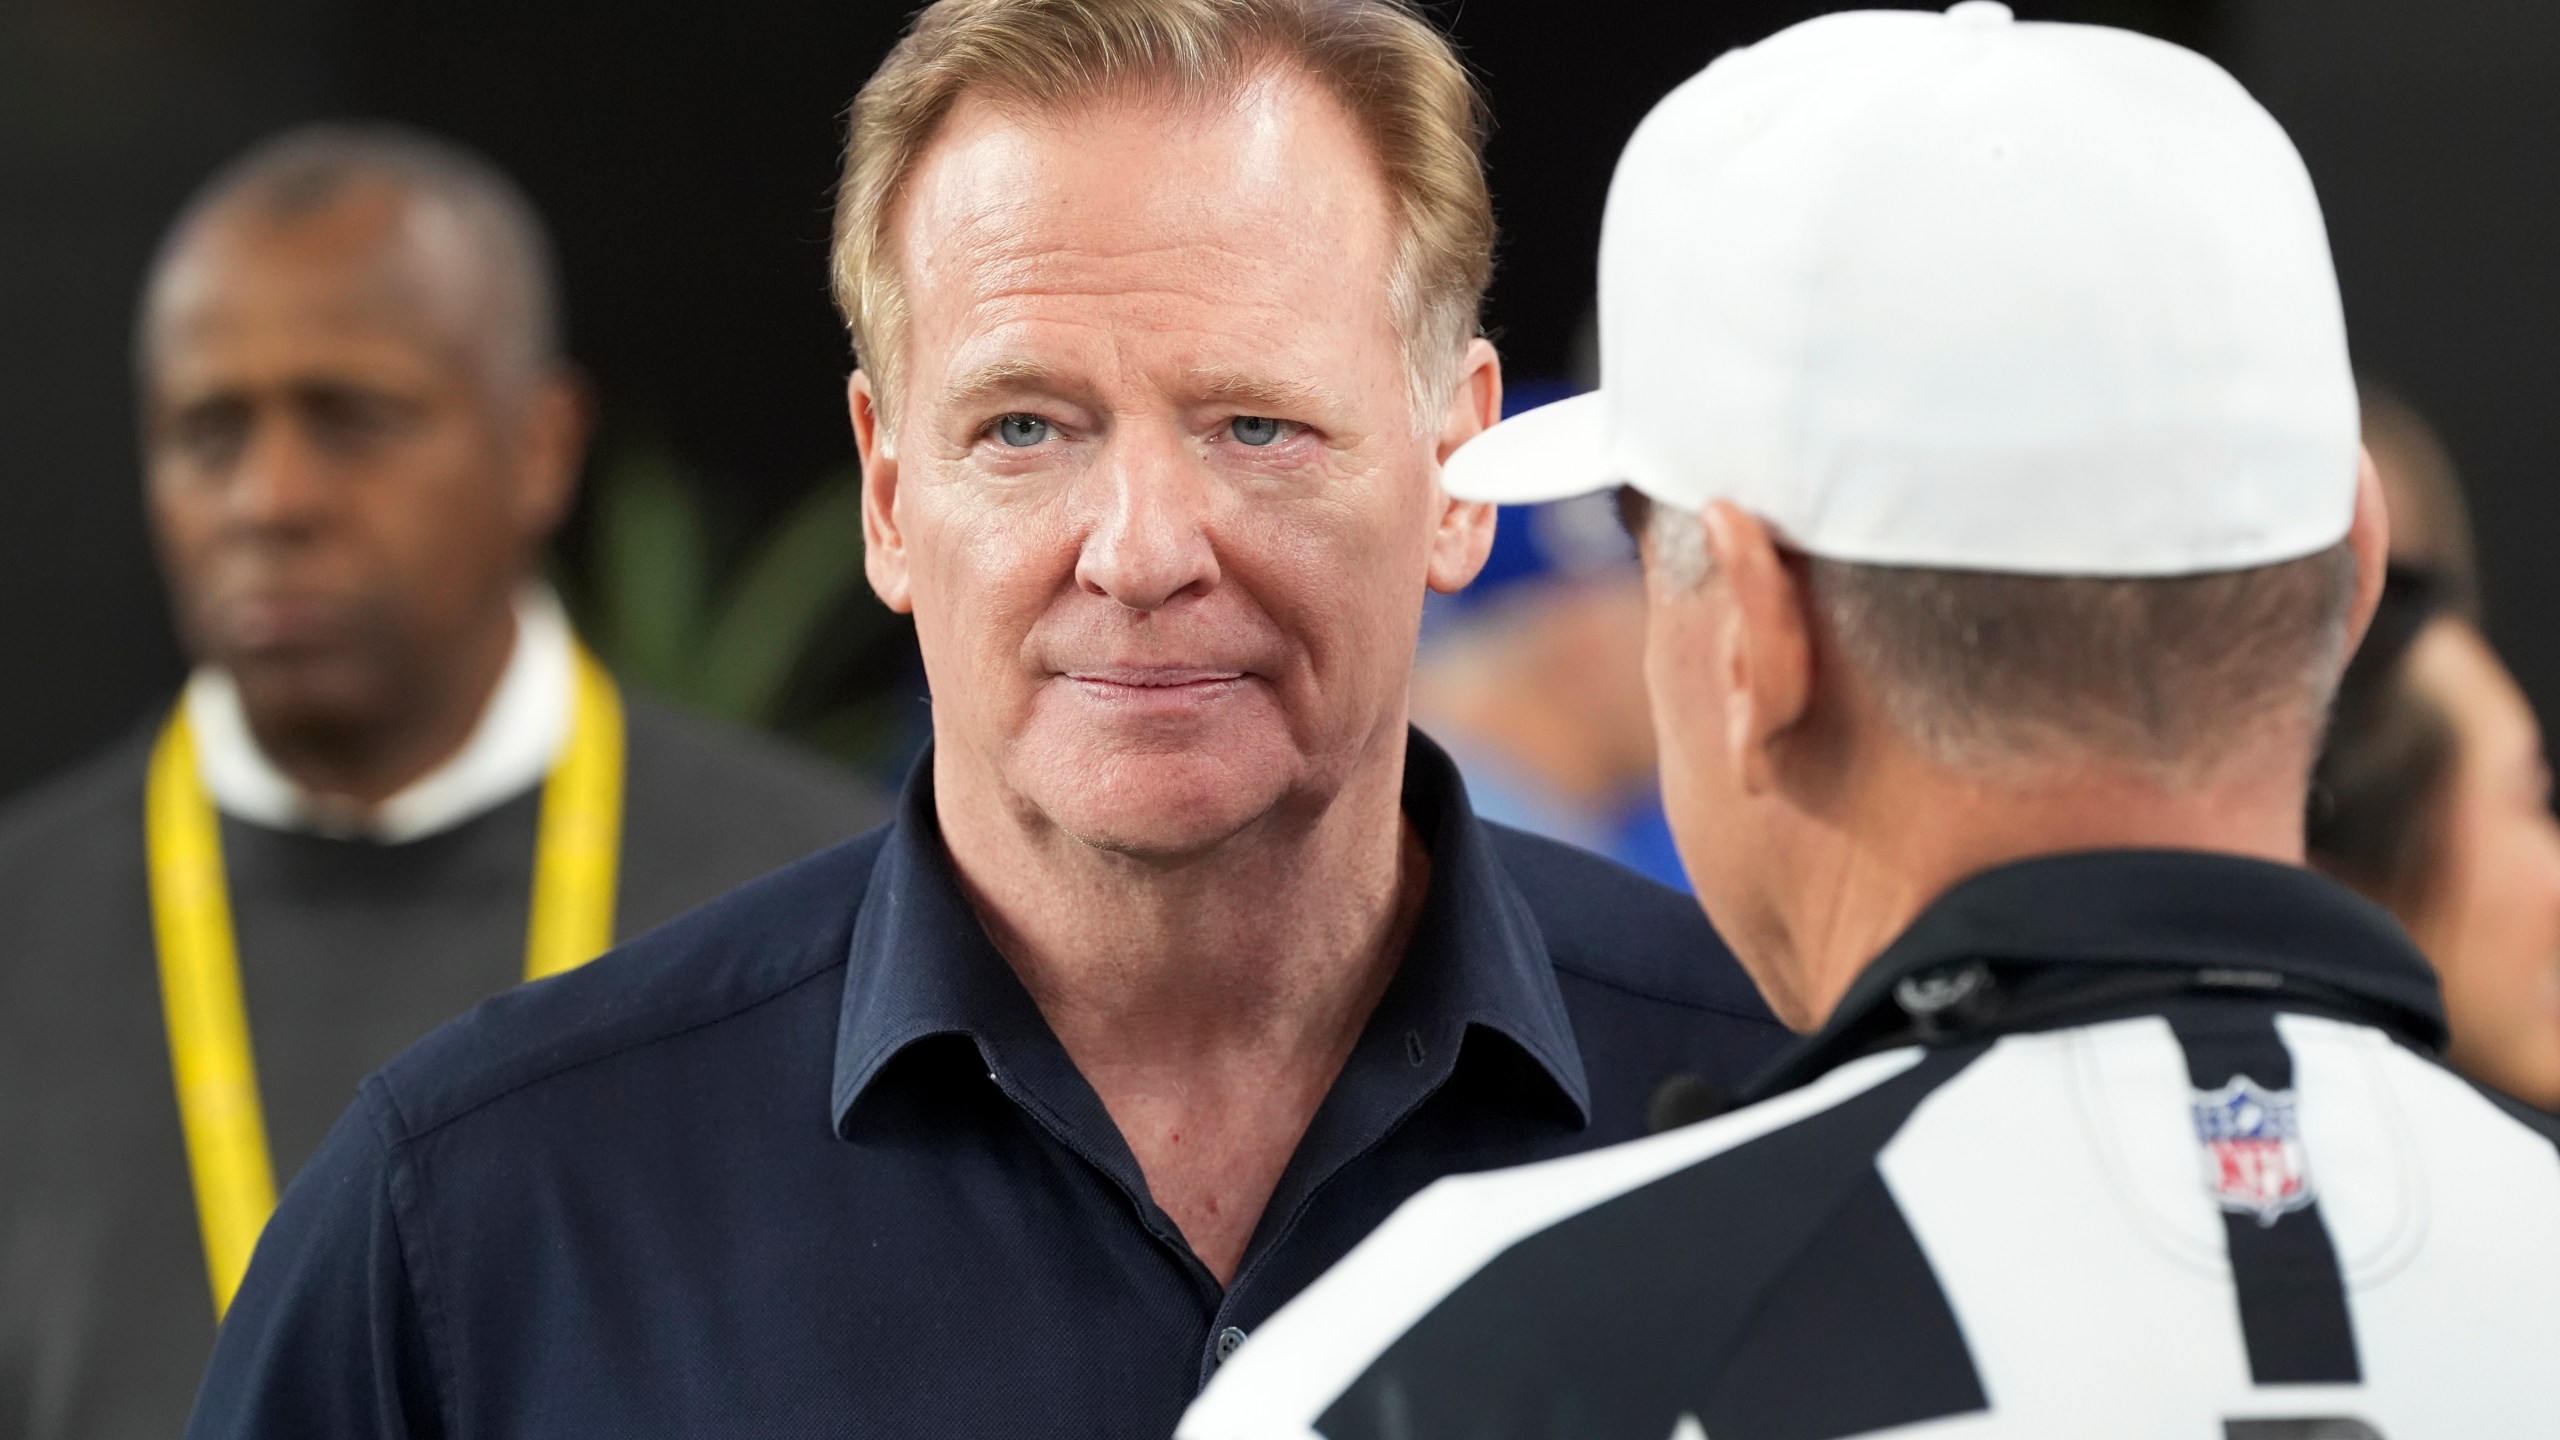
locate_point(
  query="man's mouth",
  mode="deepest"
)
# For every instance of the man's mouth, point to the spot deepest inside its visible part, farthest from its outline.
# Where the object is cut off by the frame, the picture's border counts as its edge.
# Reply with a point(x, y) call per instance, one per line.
point(1153, 677)
point(265, 621)
point(1154, 688)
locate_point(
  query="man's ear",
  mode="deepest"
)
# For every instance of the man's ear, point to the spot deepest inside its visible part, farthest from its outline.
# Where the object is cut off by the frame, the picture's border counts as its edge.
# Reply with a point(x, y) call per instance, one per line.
point(2369, 536)
point(1768, 648)
point(1462, 532)
point(552, 429)
point(884, 547)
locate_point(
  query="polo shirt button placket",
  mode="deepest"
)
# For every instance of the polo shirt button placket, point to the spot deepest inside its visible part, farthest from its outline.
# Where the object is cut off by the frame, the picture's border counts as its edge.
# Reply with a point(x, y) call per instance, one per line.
point(1228, 1341)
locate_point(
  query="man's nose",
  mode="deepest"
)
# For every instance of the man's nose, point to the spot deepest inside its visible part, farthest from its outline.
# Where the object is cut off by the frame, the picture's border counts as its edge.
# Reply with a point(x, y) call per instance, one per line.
point(280, 482)
point(1149, 542)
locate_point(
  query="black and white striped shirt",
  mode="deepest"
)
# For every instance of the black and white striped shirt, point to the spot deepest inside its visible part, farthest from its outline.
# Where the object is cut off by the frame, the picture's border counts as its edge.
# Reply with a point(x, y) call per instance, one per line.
point(2116, 1144)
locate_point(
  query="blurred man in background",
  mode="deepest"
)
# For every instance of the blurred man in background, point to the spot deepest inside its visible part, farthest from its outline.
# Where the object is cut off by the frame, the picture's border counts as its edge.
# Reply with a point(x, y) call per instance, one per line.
point(394, 784)
point(1533, 678)
point(2433, 793)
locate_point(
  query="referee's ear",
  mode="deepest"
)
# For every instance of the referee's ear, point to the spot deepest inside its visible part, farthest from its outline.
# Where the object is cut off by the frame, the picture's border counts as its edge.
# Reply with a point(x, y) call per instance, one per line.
point(2369, 536)
point(1768, 642)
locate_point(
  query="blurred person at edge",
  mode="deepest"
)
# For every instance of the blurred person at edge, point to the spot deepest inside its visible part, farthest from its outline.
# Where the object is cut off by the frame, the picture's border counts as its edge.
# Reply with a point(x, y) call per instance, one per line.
point(2433, 793)
point(1532, 678)
point(1184, 960)
point(358, 434)
point(2430, 516)
point(1999, 570)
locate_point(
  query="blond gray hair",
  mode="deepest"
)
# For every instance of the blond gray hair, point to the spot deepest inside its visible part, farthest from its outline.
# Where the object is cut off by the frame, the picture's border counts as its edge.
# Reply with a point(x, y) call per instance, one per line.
point(1397, 76)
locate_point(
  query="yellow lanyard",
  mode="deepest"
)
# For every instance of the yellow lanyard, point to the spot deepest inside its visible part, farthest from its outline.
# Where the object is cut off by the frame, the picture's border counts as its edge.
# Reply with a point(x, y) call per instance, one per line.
point(574, 865)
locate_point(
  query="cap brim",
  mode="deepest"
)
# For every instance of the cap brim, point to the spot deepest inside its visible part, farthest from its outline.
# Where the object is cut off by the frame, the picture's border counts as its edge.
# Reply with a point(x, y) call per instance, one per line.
point(1551, 453)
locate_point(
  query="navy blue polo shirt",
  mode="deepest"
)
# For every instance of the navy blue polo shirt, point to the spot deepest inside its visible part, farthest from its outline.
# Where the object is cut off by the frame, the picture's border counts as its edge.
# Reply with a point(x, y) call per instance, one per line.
point(808, 1161)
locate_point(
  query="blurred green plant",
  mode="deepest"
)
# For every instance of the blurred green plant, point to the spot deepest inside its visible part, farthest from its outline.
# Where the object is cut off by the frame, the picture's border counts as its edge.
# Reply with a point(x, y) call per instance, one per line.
point(739, 646)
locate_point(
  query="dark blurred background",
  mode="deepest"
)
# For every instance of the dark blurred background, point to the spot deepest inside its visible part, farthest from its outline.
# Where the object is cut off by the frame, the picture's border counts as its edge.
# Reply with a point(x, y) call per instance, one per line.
point(684, 156)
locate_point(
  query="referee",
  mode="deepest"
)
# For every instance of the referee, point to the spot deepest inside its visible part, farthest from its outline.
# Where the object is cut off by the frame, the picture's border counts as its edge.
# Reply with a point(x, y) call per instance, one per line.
point(1986, 396)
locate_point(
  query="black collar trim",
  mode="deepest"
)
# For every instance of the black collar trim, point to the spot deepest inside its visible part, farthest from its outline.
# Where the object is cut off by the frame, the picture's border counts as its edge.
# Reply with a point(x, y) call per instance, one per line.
point(2219, 921)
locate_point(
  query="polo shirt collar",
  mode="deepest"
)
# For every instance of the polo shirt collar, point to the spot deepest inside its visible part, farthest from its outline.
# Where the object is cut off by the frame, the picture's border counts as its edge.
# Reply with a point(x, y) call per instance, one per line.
point(921, 964)
point(2152, 909)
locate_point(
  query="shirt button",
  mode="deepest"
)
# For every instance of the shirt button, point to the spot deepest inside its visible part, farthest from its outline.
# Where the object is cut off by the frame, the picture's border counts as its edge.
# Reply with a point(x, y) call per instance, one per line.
point(1228, 1340)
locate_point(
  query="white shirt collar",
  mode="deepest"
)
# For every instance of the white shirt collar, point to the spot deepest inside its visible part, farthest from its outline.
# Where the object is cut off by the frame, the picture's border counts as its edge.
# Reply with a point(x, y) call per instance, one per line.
point(521, 731)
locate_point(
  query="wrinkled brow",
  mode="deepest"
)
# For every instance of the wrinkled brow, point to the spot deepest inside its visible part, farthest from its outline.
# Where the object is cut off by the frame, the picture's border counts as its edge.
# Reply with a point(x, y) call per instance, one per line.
point(1001, 378)
point(1260, 395)
point(1253, 394)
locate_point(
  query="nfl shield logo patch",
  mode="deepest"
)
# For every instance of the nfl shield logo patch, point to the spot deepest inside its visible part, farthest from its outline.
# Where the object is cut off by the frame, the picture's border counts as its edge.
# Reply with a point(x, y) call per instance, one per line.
point(2253, 1157)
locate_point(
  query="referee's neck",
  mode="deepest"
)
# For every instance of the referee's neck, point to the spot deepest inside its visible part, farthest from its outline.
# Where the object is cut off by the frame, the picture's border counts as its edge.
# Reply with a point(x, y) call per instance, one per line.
point(1870, 858)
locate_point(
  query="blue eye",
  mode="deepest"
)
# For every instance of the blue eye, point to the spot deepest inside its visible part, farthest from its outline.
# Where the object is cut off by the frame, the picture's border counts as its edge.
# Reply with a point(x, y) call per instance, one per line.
point(1254, 430)
point(1022, 431)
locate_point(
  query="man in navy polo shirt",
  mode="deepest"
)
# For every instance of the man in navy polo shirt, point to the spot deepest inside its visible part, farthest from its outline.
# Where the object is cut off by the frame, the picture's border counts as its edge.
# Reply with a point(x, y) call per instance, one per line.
point(1185, 961)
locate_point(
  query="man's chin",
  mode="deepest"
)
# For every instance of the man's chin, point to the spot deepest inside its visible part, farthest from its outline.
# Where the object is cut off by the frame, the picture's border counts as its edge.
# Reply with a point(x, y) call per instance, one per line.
point(1163, 807)
point(307, 692)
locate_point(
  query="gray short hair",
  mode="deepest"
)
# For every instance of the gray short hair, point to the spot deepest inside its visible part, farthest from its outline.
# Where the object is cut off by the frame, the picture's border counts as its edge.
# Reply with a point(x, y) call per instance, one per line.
point(306, 169)
point(2170, 674)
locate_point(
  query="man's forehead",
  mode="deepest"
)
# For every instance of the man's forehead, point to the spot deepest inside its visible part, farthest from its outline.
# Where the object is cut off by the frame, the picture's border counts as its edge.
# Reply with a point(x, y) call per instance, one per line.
point(1277, 173)
point(1223, 246)
point(372, 268)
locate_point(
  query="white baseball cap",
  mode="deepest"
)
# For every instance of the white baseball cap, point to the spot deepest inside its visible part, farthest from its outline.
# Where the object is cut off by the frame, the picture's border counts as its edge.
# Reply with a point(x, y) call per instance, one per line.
point(1956, 291)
